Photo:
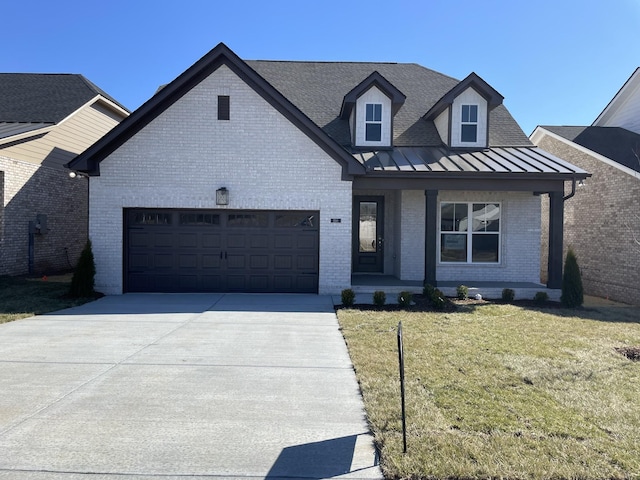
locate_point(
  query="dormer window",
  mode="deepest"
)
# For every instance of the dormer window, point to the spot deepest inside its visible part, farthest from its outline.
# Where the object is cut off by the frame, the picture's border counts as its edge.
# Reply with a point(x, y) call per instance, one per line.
point(373, 122)
point(469, 125)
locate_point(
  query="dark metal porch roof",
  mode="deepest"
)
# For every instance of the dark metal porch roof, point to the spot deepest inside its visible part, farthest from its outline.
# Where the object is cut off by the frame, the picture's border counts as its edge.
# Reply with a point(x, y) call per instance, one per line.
point(439, 160)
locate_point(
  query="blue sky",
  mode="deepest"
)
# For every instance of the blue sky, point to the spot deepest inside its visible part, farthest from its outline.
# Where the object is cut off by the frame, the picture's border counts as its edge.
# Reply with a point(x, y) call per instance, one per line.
point(556, 62)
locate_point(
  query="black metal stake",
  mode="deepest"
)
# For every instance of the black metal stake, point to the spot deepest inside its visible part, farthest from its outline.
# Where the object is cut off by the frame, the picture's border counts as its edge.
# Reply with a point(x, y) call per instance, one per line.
point(404, 416)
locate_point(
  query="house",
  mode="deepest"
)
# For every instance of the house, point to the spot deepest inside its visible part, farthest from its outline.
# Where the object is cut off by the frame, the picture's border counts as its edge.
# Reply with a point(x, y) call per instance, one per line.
point(274, 176)
point(602, 224)
point(45, 121)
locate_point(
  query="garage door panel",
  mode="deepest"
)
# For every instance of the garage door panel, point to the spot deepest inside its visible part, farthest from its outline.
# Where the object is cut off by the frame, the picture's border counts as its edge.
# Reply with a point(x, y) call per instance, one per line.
point(306, 262)
point(236, 262)
point(260, 262)
point(236, 240)
point(211, 261)
point(283, 262)
point(187, 261)
point(214, 250)
point(163, 261)
point(187, 240)
point(163, 239)
point(211, 240)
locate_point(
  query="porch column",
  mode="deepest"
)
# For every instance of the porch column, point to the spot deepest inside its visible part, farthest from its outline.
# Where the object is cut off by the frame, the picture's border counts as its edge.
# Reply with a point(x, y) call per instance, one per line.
point(430, 236)
point(556, 220)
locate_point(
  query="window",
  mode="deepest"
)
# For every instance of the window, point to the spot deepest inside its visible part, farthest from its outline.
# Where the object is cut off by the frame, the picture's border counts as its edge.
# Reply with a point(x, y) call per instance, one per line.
point(469, 127)
point(470, 232)
point(373, 122)
point(224, 107)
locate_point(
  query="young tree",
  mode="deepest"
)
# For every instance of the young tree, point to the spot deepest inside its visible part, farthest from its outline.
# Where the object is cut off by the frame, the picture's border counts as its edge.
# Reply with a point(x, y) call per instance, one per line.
point(572, 293)
point(83, 279)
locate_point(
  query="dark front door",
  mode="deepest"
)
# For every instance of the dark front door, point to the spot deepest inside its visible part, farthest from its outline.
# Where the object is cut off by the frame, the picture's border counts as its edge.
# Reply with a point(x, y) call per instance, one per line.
point(368, 234)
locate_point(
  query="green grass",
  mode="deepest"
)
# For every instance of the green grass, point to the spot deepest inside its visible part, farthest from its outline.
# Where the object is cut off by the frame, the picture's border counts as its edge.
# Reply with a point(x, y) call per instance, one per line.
point(21, 297)
point(500, 391)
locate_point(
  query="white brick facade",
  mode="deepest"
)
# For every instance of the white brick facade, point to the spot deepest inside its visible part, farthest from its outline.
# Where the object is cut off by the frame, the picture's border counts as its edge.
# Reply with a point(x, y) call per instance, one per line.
point(181, 158)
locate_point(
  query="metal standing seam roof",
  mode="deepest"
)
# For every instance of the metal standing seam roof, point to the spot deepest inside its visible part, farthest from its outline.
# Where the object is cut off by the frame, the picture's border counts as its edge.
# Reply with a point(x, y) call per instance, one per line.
point(439, 160)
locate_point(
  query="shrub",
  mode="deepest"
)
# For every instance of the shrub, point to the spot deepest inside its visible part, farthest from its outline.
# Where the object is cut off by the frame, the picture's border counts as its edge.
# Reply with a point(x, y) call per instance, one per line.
point(404, 299)
point(572, 293)
point(462, 292)
point(83, 280)
point(348, 297)
point(379, 298)
point(508, 295)
point(438, 300)
point(541, 297)
point(428, 290)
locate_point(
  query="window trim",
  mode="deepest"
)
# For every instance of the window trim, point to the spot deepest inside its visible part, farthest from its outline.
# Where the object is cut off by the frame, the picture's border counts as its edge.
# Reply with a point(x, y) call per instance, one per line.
point(373, 121)
point(469, 122)
point(469, 233)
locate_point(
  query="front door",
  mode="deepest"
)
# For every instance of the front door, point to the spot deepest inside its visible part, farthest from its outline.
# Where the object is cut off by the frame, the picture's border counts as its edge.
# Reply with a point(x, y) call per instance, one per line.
point(368, 234)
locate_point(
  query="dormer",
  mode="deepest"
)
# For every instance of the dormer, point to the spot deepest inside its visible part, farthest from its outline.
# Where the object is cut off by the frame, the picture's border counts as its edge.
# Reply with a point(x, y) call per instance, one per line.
point(461, 116)
point(370, 108)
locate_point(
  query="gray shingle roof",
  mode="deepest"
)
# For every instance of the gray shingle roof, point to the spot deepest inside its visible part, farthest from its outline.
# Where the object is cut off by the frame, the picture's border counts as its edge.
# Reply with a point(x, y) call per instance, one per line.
point(615, 143)
point(44, 98)
point(318, 89)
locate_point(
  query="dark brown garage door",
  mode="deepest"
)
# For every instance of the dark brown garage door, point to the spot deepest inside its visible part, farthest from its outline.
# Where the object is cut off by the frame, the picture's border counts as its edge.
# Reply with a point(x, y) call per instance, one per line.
point(221, 251)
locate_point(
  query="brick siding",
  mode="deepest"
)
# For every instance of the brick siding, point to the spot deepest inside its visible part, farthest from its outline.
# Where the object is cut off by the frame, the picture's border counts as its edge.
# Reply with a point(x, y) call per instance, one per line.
point(29, 190)
point(600, 223)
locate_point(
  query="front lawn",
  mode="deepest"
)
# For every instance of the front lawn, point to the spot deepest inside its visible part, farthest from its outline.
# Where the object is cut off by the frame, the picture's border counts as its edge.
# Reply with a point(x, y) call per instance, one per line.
point(24, 297)
point(501, 391)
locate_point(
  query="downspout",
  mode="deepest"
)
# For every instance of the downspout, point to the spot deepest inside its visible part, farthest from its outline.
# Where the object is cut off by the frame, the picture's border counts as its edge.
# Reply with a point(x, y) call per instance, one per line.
point(573, 190)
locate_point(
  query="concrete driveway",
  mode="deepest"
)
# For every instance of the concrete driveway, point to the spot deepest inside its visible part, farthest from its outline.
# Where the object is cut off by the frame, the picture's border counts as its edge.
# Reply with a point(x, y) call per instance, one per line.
point(182, 386)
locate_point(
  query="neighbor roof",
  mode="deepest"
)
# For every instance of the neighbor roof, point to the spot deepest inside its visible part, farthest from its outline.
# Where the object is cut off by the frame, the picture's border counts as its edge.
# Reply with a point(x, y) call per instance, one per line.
point(616, 143)
point(43, 97)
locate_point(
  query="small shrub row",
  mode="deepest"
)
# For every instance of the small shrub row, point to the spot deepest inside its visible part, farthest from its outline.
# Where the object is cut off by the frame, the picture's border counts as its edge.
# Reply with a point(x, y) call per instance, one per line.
point(348, 297)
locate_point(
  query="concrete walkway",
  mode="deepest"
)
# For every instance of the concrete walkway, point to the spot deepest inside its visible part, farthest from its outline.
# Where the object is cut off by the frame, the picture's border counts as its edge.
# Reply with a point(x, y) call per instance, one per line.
point(182, 386)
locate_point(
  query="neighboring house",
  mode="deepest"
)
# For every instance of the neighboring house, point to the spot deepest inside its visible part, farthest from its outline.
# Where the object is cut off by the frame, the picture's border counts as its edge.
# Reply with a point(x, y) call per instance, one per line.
point(45, 121)
point(270, 176)
point(602, 221)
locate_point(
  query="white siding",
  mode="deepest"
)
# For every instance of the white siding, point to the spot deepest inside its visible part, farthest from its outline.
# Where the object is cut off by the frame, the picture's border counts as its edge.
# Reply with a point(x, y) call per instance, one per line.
point(373, 95)
point(469, 97)
point(625, 112)
point(442, 125)
point(67, 139)
point(185, 154)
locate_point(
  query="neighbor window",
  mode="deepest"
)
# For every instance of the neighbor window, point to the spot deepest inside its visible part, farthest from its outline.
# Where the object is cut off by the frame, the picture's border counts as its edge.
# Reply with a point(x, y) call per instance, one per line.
point(469, 126)
point(224, 110)
point(373, 122)
point(470, 232)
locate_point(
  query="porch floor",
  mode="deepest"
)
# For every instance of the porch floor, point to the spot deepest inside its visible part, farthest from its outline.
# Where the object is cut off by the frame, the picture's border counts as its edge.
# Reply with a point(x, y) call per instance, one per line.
point(365, 284)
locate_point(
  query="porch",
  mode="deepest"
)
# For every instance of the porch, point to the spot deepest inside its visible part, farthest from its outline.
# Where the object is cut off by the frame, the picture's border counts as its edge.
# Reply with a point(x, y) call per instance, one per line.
point(364, 286)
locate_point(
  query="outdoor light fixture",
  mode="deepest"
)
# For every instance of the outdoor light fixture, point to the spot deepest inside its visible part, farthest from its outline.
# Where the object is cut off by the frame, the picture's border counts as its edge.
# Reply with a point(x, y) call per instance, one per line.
point(222, 196)
point(74, 174)
point(581, 183)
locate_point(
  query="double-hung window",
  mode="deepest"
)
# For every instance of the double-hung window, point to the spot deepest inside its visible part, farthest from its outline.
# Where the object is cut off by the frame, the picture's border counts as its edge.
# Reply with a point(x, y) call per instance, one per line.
point(373, 122)
point(469, 124)
point(470, 232)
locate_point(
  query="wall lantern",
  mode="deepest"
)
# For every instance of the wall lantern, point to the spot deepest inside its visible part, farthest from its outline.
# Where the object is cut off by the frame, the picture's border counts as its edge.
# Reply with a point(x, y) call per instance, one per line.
point(222, 196)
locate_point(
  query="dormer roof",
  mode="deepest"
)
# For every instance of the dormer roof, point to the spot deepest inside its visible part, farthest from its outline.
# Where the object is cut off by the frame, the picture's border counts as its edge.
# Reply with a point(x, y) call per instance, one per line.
point(474, 81)
point(373, 80)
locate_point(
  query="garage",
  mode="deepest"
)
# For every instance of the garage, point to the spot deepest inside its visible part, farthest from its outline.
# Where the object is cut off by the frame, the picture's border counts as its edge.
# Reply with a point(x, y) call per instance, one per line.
point(171, 250)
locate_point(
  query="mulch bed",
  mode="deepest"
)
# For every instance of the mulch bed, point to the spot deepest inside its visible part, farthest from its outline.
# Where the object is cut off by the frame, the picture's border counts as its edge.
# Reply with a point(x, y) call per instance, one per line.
point(421, 304)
